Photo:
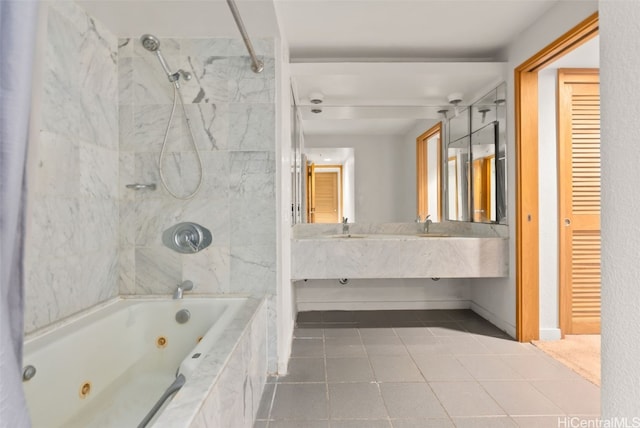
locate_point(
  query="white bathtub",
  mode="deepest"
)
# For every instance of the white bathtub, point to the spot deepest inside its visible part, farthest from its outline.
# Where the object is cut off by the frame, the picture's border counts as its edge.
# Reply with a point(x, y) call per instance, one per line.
point(107, 367)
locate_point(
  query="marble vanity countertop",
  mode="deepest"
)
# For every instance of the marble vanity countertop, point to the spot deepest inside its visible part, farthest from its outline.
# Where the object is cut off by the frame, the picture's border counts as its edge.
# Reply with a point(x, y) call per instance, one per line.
point(367, 253)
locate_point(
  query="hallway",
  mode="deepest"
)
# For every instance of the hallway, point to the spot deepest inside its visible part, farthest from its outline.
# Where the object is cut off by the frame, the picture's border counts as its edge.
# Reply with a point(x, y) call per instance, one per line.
point(404, 369)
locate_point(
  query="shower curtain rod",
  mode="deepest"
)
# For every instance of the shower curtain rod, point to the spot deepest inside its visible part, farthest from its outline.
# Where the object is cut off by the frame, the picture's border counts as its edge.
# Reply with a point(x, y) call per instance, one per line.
point(256, 65)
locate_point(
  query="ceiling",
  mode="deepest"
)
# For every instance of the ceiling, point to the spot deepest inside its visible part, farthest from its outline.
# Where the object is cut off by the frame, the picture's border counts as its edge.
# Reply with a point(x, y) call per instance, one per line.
point(382, 66)
point(404, 29)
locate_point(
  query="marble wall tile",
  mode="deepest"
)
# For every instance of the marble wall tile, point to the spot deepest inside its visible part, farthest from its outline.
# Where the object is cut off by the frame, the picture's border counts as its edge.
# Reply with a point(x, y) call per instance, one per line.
point(209, 82)
point(98, 171)
point(99, 120)
point(99, 231)
point(271, 344)
point(125, 78)
point(251, 127)
point(126, 176)
point(52, 289)
point(210, 125)
point(125, 48)
point(252, 197)
point(57, 159)
point(253, 269)
point(126, 270)
point(209, 270)
point(148, 128)
point(158, 270)
point(150, 83)
point(126, 128)
point(52, 226)
point(99, 276)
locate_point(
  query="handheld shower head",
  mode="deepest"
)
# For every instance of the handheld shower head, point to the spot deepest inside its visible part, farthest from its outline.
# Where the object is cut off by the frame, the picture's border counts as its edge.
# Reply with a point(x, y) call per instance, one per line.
point(150, 43)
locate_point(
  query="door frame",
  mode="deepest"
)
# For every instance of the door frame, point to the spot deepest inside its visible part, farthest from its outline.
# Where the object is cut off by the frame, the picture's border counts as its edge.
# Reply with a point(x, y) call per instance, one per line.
point(422, 171)
point(526, 151)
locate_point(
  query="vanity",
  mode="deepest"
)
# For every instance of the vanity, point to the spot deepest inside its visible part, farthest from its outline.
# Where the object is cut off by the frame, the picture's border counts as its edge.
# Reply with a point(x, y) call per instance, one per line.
point(452, 158)
point(401, 250)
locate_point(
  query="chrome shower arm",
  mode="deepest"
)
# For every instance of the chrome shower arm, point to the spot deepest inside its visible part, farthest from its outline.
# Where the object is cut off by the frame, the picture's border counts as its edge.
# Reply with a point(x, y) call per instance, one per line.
point(256, 65)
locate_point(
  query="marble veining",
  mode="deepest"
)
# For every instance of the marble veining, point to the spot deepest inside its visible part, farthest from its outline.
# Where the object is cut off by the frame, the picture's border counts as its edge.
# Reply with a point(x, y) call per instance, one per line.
point(71, 259)
point(327, 255)
point(227, 390)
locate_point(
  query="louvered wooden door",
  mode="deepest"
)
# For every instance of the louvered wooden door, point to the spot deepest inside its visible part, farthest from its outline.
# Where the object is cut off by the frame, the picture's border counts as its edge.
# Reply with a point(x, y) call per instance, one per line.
point(579, 200)
point(326, 197)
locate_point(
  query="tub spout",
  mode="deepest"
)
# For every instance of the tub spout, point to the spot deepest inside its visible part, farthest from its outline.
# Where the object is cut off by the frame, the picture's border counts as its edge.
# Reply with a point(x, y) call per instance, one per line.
point(185, 286)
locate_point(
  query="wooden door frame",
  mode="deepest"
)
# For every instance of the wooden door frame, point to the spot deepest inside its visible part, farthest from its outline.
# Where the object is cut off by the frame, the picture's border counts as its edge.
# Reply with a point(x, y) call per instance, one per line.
point(526, 151)
point(422, 170)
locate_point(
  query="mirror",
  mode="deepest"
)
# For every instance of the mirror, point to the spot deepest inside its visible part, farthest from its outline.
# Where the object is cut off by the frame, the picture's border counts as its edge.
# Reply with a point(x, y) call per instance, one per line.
point(379, 111)
point(476, 162)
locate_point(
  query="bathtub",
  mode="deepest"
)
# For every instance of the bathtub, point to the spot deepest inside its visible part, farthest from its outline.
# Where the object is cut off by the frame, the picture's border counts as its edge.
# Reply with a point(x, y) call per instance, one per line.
point(107, 367)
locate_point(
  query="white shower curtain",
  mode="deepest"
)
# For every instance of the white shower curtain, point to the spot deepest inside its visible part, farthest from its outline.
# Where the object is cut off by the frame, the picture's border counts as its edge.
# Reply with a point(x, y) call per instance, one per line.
point(18, 23)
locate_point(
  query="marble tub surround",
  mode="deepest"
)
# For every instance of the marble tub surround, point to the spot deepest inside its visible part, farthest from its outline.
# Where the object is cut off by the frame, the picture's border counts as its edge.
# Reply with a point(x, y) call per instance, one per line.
point(396, 251)
point(232, 114)
point(71, 256)
point(227, 390)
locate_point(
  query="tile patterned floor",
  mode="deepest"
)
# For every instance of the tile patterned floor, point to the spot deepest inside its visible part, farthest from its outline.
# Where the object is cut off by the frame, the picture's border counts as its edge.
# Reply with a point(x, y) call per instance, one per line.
point(407, 369)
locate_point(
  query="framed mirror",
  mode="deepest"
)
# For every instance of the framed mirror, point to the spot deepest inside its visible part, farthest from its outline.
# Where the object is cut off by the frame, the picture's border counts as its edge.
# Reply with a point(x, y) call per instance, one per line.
point(379, 110)
point(476, 161)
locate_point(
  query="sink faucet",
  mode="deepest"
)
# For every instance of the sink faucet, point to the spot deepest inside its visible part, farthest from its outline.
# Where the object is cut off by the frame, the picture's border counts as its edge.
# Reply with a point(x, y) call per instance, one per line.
point(345, 226)
point(424, 225)
point(184, 286)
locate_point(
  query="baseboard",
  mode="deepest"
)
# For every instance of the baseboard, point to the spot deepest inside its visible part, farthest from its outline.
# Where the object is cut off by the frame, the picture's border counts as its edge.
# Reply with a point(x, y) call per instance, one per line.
point(494, 319)
point(550, 334)
point(382, 305)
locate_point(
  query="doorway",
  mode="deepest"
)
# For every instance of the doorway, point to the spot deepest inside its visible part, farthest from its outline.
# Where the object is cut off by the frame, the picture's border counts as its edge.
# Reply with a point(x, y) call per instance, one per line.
point(428, 167)
point(324, 192)
point(526, 130)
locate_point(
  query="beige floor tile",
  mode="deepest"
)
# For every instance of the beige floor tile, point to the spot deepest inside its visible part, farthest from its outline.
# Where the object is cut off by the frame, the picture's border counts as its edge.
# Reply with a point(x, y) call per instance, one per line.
point(520, 398)
point(441, 368)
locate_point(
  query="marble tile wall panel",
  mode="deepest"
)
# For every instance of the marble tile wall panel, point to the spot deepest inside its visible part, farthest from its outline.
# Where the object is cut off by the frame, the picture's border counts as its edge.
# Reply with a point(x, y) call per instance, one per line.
point(72, 260)
point(235, 398)
point(231, 111)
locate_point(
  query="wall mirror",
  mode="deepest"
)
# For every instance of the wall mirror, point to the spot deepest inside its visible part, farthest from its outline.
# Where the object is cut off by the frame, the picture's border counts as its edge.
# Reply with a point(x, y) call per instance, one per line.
point(476, 161)
point(356, 145)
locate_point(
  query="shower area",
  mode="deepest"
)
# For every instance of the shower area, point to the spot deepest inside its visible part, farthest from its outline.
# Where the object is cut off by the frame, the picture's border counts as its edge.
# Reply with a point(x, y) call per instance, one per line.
point(114, 117)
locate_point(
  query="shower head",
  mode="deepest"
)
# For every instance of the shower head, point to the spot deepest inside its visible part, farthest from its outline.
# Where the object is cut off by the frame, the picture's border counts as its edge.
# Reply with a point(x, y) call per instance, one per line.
point(150, 43)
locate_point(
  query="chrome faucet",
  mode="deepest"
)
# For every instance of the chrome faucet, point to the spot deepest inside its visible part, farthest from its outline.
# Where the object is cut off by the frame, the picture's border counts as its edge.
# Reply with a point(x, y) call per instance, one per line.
point(345, 226)
point(424, 226)
point(185, 286)
point(427, 223)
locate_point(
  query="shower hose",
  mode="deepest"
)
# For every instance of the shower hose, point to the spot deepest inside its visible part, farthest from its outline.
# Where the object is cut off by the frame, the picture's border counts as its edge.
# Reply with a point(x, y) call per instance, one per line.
point(177, 94)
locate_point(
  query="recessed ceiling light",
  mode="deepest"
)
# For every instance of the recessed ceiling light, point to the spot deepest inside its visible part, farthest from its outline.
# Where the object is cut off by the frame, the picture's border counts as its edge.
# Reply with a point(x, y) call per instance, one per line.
point(316, 110)
point(327, 159)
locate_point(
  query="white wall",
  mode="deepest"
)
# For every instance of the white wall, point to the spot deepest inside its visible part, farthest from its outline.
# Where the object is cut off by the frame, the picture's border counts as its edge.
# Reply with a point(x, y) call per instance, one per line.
point(496, 298)
point(379, 175)
point(620, 151)
point(285, 305)
point(382, 294)
point(585, 56)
